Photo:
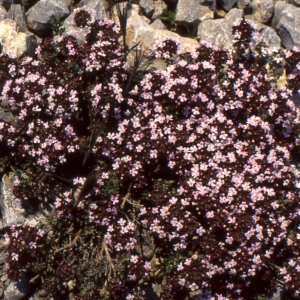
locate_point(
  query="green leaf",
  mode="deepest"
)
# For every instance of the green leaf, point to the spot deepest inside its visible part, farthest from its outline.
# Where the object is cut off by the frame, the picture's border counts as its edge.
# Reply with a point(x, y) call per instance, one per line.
point(164, 18)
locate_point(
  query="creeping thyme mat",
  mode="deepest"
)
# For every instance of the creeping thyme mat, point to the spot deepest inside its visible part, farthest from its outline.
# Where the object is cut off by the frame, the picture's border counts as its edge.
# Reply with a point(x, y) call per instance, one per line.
point(180, 180)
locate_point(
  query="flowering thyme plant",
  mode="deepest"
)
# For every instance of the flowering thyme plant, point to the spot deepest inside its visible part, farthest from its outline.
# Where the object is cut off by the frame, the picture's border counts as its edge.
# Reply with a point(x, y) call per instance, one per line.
point(185, 181)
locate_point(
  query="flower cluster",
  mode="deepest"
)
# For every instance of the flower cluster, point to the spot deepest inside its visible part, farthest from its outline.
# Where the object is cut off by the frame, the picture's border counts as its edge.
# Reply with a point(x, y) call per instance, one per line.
point(187, 180)
point(22, 249)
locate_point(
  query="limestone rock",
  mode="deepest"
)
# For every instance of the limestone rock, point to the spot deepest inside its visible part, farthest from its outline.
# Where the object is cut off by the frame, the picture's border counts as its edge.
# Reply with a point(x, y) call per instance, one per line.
point(220, 13)
point(12, 41)
point(11, 209)
point(139, 31)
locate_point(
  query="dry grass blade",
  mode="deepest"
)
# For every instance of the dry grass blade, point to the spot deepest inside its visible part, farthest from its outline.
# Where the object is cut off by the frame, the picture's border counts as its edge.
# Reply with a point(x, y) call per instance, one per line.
point(70, 244)
point(87, 186)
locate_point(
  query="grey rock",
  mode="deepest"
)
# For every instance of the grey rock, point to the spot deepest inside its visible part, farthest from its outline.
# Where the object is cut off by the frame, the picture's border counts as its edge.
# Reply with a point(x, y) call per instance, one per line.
point(295, 2)
point(3, 256)
point(138, 30)
point(17, 291)
point(5, 3)
point(146, 247)
point(147, 7)
point(233, 15)
point(159, 6)
point(27, 4)
point(156, 289)
point(227, 4)
point(219, 35)
point(11, 210)
point(3, 245)
point(72, 30)
point(39, 15)
point(151, 294)
point(128, 8)
point(100, 8)
point(3, 14)
point(158, 24)
point(16, 13)
point(277, 295)
point(281, 9)
point(209, 3)
point(246, 5)
point(288, 29)
point(6, 116)
point(263, 10)
point(40, 295)
point(190, 12)
point(258, 25)
point(269, 36)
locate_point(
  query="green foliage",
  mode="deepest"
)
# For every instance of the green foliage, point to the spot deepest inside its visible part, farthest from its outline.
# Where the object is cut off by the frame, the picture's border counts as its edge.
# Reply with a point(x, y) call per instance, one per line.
point(168, 16)
point(55, 25)
point(172, 262)
point(112, 185)
point(192, 32)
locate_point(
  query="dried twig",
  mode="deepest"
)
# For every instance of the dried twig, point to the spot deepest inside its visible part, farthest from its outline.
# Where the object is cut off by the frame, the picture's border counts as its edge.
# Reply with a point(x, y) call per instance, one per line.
point(126, 198)
point(34, 278)
point(70, 244)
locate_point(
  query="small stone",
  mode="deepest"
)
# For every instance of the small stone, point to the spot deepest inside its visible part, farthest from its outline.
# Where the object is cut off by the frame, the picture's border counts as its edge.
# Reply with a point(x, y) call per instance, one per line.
point(3, 256)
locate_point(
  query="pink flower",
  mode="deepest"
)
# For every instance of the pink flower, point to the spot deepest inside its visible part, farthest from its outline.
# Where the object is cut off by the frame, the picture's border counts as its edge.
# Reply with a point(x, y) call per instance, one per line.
point(147, 265)
point(15, 256)
point(134, 259)
point(287, 278)
point(200, 231)
point(32, 245)
point(40, 233)
point(210, 214)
